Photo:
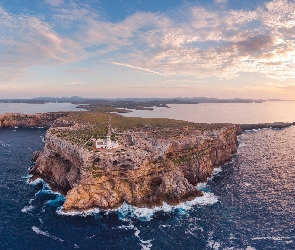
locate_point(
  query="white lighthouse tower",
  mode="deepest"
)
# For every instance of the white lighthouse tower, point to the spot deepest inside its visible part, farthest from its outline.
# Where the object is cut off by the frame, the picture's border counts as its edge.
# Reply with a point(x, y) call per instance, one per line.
point(107, 143)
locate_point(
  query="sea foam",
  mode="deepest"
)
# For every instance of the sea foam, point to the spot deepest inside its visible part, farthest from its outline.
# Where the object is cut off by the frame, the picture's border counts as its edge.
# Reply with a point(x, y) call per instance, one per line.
point(126, 211)
point(27, 209)
point(39, 231)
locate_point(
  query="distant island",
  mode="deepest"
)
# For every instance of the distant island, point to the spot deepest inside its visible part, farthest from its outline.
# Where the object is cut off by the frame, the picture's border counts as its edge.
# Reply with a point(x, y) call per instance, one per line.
point(124, 105)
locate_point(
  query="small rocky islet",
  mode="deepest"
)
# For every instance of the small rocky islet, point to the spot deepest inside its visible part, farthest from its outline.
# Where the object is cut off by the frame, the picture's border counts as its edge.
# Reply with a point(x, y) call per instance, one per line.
point(157, 160)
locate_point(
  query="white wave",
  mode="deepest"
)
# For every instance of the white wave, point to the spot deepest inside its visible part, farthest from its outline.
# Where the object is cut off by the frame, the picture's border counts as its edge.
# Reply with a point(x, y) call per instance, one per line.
point(165, 226)
point(274, 238)
point(93, 211)
point(202, 185)
point(36, 181)
point(45, 189)
point(4, 144)
point(216, 171)
point(89, 237)
point(145, 244)
point(39, 231)
point(214, 244)
point(146, 214)
point(192, 230)
point(27, 209)
point(206, 199)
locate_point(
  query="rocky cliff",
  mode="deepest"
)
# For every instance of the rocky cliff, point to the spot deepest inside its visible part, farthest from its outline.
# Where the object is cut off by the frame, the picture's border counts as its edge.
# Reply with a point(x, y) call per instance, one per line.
point(28, 121)
point(153, 164)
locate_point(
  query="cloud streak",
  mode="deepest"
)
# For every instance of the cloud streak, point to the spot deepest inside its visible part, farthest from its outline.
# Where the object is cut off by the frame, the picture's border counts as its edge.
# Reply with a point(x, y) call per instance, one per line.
point(194, 42)
point(138, 68)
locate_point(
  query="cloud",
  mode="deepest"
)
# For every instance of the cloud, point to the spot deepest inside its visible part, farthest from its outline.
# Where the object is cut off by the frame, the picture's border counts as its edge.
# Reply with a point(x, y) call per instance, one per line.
point(166, 87)
point(220, 43)
point(75, 83)
point(195, 41)
point(220, 1)
point(81, 70)
point(180, 81)
point(28, 41)
point(138, 68)
point(54, 2)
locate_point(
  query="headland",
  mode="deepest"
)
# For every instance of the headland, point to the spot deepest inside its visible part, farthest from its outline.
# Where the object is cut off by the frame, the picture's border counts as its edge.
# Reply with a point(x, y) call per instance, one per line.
point(156, 160)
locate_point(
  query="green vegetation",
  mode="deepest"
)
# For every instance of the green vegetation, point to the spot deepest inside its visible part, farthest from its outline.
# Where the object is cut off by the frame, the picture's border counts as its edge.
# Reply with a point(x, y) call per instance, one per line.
point(94, 124)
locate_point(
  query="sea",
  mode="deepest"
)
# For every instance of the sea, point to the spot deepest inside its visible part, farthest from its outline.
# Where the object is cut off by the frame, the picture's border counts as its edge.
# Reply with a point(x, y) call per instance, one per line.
point(248, 203)
point(239, 113)
point(29, 108)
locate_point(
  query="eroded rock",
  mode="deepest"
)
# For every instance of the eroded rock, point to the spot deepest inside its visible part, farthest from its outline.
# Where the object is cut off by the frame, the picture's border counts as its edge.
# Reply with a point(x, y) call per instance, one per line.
point(147, 172)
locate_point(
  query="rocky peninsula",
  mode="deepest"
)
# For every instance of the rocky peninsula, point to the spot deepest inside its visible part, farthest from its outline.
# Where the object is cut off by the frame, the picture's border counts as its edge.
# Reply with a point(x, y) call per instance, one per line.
point(157, 159)
point(29, 121)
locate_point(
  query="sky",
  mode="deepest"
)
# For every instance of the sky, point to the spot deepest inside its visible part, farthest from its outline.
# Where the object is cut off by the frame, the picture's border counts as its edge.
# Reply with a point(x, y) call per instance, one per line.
point(147, 48)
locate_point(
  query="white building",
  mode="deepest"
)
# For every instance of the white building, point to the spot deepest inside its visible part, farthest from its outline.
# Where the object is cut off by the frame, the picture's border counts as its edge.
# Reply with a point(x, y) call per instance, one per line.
point(107, 143)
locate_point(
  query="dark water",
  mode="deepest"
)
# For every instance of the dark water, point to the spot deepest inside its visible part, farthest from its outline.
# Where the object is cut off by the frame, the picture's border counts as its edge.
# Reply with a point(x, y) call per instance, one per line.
point(248, 205)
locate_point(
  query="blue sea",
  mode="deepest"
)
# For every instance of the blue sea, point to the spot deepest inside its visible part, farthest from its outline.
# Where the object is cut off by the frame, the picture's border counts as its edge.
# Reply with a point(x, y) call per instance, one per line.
point(248, 204)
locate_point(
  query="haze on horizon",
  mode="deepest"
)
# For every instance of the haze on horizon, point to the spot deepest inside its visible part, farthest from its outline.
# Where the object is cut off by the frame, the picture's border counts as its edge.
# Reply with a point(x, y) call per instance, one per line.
point(147, 48)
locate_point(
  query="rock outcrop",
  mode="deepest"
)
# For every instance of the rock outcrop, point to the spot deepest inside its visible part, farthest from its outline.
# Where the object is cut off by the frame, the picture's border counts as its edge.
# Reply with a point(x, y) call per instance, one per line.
point(150, 166)
point(28, 121)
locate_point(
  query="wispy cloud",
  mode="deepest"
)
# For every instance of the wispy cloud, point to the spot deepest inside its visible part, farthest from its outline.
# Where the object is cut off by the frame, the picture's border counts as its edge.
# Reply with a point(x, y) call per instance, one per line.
point(54, 2)
point(197, 42)
point(220, 1)
point(164, 87)
point(81, 70)
point(138, 68)
point(180, 81)
point(28, 41)
point(75, 83)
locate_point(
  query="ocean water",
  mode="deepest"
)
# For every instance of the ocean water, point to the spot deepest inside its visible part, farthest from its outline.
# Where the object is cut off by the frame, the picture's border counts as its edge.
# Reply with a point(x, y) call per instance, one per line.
point(248, 204)
point(26, 108)
point(239, 113)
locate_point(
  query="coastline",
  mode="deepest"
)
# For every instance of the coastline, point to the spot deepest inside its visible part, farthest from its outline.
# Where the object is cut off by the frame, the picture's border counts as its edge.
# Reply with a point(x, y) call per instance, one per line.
point(274, 125)
point(67, 156)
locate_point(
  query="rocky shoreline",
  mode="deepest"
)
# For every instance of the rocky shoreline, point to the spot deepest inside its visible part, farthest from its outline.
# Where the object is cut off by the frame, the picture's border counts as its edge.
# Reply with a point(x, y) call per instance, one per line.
point(158, 164)
point(152, 169)
point(12, 120)
point(276, 125)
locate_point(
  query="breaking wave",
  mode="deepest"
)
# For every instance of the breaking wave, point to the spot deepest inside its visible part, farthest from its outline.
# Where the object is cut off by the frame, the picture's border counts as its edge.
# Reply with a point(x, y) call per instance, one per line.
point(39, 231)
point(146, 214)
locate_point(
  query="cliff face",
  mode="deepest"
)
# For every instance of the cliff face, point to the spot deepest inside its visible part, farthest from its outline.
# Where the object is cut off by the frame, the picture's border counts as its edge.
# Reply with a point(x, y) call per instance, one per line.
point(146, 172)
point(28, 121)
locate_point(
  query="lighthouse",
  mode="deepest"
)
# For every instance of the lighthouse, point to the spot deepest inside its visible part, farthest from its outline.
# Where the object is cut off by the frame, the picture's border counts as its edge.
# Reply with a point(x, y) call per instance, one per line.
point(107, 143)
